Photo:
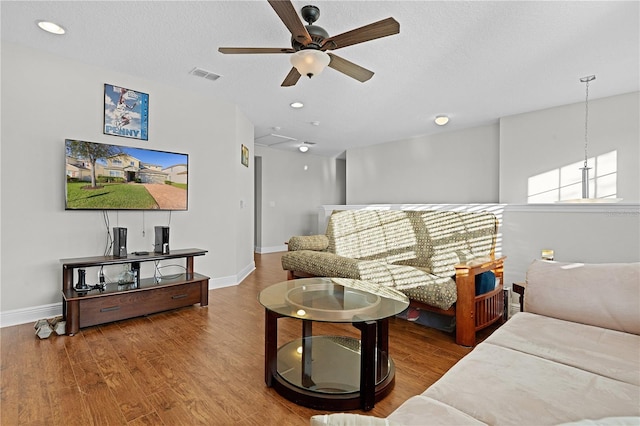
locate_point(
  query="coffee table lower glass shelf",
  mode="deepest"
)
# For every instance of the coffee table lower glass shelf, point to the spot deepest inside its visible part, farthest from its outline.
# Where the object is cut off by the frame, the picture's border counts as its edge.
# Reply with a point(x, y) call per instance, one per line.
point(334, 366)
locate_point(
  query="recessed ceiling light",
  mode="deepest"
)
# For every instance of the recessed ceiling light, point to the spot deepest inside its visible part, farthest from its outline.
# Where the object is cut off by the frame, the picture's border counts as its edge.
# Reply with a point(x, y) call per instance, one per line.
point(441, 120)
point(51, 27)
point(296, 105)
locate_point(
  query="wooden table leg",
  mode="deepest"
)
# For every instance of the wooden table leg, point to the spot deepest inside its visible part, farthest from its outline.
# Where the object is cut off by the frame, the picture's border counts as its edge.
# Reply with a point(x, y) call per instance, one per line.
point(307, 354)
point(204, 293)
point(270, 346)
point(383, 348)
point(367, 363)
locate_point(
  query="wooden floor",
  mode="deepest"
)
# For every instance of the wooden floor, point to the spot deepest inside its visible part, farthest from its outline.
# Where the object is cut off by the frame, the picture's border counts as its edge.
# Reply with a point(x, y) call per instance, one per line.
point(190, 366)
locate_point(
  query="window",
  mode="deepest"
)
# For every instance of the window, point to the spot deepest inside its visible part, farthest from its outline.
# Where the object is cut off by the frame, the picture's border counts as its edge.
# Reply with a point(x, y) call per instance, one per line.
point(565, 183)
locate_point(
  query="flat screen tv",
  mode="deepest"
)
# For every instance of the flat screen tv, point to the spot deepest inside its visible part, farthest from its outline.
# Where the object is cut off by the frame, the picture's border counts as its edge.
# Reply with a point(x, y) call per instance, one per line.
point(112, 177)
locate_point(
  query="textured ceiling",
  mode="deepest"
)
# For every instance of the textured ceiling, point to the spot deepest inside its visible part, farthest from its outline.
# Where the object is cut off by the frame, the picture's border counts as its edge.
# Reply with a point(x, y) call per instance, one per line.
point(475, 61)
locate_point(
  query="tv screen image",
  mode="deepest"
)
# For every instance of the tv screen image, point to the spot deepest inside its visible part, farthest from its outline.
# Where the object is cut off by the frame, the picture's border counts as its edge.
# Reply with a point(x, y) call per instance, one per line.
point(112, 177)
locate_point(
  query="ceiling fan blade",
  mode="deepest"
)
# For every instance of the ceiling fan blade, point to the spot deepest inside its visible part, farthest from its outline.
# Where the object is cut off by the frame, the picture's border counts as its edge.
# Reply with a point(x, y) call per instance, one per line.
point(292, 78)
point(379, 29)
point(349, 68)
point(291, 20)
point(243, 50)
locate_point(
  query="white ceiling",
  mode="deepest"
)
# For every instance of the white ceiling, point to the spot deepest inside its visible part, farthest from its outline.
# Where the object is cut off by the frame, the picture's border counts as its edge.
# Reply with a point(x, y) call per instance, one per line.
point(475, 61)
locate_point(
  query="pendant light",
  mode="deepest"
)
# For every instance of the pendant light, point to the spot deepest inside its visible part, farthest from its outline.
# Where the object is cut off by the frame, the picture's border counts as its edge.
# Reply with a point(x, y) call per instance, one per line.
point(585, 168)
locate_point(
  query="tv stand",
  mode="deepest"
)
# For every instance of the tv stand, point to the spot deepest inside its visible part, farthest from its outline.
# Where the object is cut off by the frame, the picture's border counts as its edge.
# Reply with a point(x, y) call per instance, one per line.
point(122, 301)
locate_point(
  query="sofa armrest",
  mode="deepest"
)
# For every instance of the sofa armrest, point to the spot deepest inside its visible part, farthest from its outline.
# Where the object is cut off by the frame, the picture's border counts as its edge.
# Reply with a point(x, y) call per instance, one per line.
point(318, 242)
point(468, 319)
point(520, 288)
point(480, 265)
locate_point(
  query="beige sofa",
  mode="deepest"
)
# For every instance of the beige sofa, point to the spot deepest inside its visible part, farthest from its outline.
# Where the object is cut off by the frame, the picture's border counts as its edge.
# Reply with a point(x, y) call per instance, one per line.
point(572, 356)
point(431, 256)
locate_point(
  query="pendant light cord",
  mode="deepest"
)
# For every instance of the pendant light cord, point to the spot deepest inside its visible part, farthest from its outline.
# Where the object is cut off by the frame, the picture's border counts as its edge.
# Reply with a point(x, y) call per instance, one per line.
point(586, 123)
point(586, 115)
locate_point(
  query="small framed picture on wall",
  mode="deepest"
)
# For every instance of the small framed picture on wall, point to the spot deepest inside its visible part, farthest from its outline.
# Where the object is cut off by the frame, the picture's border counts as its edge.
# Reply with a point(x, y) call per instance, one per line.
point(244, 156)
point(126, 113)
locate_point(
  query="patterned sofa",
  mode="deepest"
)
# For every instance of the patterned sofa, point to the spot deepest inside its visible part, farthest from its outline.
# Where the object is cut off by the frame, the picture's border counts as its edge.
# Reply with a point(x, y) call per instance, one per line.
point(431, 256)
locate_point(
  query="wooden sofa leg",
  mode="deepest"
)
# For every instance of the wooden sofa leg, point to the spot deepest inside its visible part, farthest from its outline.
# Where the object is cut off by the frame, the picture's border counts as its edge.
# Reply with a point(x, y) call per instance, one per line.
point(290, 275)
point(465, 316)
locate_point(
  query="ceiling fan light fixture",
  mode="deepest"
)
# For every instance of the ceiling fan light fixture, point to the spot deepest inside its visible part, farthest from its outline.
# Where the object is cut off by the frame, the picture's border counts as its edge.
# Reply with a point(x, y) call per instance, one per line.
point(303, 148)
point(310, 62)
point(441, 120)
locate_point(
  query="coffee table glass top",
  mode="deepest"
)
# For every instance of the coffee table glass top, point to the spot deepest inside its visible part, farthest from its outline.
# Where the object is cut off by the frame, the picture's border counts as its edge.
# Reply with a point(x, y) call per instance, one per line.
point(333, 300)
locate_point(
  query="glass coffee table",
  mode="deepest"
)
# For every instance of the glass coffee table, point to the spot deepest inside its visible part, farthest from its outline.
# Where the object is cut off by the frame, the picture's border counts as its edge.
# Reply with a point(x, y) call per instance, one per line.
point(331, 372)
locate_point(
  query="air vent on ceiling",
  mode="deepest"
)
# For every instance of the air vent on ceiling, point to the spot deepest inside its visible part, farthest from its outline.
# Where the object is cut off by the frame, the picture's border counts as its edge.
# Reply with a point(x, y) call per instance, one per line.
point(199, 72)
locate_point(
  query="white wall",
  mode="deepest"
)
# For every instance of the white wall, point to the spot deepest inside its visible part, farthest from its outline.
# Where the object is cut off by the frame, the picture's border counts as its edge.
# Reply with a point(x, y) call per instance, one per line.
point(454, 167)
point(594, 233)
point(244, 199)
point(462, 167)
point(291, 194)
point(540, 141)
point(46, 99)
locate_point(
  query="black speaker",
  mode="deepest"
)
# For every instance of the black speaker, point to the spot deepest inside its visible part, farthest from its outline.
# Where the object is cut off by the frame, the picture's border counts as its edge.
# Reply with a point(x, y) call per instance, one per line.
point(162, 240)
point(82, 286)
point(119, 242)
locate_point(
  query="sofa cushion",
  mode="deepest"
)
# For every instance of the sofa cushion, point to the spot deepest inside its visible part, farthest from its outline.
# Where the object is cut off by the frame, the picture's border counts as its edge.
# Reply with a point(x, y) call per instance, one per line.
point(385, 235)
point(414, 282)
point(432, 240)
point(421, 410)
point(440, 292)
point(320, 264)
point(601, 351)
point(501, 386)
point(604, 295)
point(607, 421)
point(349, 419)
point(457, 237)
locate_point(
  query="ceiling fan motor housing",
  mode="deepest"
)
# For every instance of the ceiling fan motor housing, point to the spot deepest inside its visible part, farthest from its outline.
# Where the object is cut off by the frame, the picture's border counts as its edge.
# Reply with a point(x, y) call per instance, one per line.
point(318, 34)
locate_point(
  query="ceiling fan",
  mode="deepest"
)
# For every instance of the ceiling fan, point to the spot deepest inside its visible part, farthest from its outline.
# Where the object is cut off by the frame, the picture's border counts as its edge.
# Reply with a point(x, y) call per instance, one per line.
point(309, 43)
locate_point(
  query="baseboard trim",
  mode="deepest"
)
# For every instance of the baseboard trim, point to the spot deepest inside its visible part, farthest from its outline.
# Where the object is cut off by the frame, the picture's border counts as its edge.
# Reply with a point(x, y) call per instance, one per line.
point(232, 280)
point(31, 314)
point(273, 249)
